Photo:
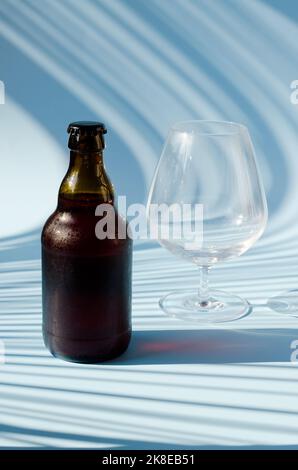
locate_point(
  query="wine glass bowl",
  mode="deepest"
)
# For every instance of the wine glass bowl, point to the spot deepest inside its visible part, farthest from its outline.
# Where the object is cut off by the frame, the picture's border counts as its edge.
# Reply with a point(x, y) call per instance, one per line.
point(210, 168)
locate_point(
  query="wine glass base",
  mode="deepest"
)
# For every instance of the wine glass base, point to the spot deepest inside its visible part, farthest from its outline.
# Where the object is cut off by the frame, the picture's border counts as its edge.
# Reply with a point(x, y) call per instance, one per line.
point(286, 302)
point(219, 308)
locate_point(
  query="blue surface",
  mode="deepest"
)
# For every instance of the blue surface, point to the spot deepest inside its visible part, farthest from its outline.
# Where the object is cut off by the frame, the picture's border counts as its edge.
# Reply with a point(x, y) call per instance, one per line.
point(139, 66)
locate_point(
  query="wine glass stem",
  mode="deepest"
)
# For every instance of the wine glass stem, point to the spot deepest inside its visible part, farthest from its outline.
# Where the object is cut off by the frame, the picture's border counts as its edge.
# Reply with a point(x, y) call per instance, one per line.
point(204, 286)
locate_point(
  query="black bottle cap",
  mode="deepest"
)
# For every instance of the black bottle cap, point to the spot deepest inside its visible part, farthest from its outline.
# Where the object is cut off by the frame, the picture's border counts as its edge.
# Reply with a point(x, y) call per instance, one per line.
point(86, 136)
point(86, 128)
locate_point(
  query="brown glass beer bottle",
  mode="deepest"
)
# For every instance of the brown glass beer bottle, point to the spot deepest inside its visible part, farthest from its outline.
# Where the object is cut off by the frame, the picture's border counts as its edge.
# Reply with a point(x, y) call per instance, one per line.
point(86, 281)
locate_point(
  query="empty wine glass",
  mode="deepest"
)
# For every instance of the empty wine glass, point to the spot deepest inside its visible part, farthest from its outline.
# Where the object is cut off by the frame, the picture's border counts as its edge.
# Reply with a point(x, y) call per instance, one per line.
point(286, 302)
point(208, 181)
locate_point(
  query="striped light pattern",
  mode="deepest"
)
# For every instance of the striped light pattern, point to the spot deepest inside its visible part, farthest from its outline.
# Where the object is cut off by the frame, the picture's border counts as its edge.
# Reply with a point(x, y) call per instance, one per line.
point(140, 66)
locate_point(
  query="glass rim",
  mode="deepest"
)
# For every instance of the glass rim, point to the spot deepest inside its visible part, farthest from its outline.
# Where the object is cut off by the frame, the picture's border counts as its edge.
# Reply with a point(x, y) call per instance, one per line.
point(229, 128)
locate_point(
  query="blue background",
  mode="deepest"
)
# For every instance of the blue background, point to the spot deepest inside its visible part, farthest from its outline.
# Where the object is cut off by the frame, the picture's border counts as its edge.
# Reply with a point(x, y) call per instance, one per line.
point(139, 66)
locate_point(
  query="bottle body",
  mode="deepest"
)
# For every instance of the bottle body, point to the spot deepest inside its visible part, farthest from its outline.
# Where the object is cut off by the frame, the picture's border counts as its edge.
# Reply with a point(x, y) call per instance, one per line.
point(86, 282)
point(86, 288)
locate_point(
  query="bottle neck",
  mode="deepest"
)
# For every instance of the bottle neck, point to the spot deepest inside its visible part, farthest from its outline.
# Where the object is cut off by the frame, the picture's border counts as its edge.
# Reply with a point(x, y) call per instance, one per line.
point(86, 180)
